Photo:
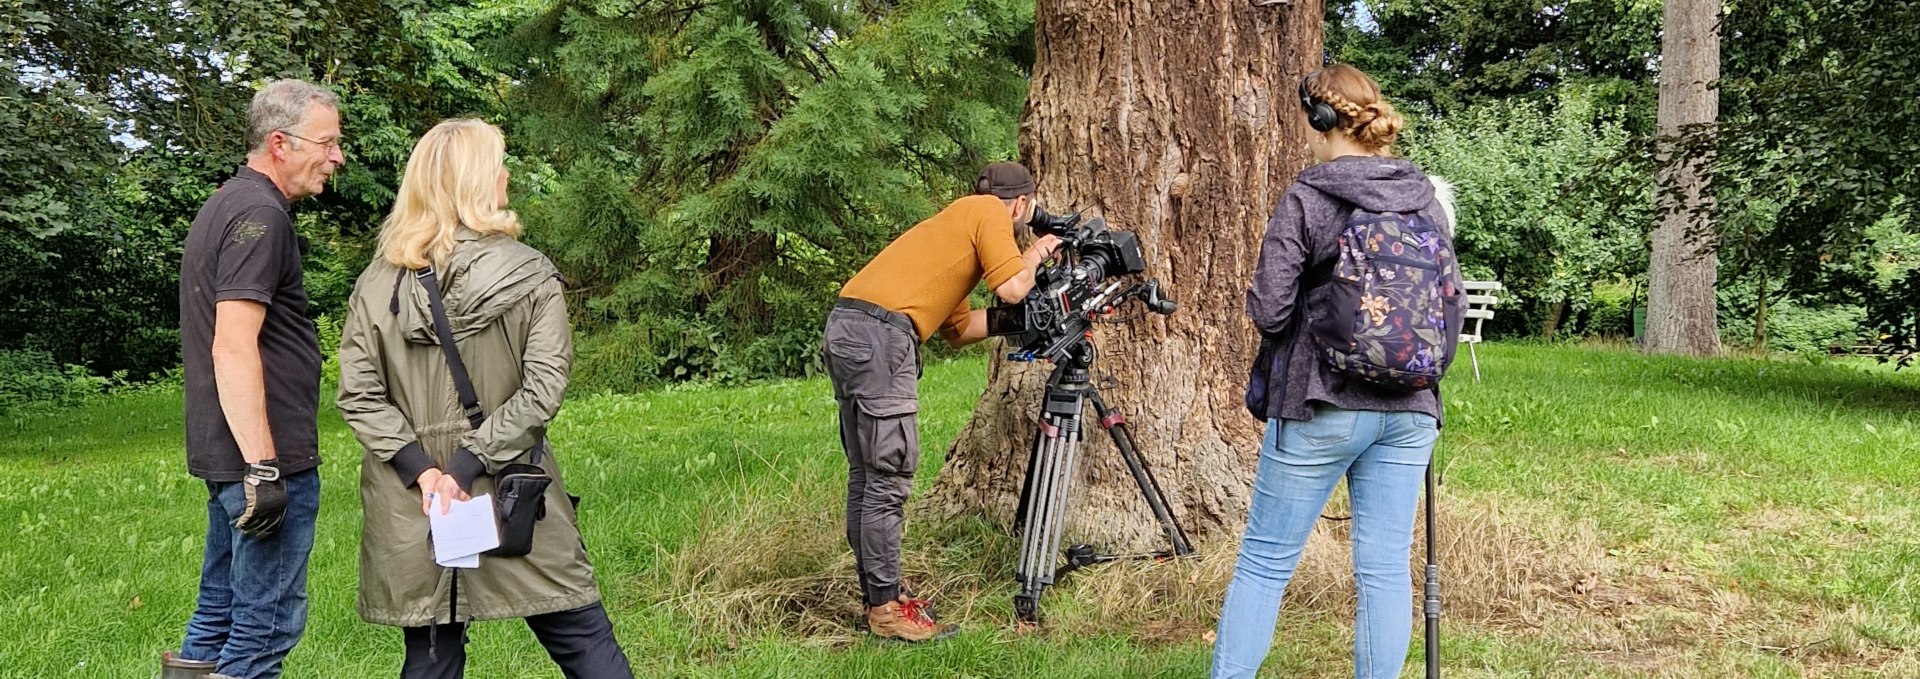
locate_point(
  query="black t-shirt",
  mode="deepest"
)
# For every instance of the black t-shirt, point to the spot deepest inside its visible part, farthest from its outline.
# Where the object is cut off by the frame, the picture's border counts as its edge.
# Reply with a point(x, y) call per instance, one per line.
point(242, 246)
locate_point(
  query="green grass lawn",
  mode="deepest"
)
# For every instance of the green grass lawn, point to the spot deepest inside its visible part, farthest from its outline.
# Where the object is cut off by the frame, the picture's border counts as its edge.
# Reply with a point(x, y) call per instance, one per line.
point(1619, 515)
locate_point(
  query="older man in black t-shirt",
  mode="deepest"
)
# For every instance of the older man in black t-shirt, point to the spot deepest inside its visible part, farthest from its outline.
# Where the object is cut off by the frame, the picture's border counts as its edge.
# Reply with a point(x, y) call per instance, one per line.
point(252, 363)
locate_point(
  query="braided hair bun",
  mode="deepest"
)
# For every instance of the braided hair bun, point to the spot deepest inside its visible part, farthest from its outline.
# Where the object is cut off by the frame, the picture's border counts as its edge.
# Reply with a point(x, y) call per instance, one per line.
point(1369, 120)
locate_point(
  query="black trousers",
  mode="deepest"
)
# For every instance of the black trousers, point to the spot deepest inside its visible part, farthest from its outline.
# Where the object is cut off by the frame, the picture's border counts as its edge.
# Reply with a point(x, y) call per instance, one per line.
point(580, 641)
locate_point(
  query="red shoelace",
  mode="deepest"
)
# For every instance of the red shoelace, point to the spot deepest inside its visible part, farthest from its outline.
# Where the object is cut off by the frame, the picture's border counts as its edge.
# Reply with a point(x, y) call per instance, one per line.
point(915, 611)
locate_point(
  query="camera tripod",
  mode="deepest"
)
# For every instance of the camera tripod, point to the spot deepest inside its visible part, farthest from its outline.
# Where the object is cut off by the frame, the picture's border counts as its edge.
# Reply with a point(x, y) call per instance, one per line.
point(1050, 470)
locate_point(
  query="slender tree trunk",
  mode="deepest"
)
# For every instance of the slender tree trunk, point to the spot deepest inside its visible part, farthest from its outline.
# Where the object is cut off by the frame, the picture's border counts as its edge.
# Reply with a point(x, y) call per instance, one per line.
point(1177, 121)
point(1760, 313)
point(1681, 313)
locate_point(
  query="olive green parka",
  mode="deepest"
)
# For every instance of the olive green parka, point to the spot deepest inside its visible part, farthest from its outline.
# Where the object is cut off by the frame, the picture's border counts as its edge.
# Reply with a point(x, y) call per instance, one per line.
point(509, 321)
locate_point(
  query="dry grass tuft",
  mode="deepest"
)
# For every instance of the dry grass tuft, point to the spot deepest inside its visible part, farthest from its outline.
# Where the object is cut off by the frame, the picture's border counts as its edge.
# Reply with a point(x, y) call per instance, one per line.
point(766, 565)
point(1501, 567)
point(781, 566)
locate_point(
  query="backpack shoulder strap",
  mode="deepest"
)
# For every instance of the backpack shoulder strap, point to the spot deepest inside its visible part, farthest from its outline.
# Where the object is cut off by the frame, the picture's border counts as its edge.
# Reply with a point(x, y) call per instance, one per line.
point(1315, 274)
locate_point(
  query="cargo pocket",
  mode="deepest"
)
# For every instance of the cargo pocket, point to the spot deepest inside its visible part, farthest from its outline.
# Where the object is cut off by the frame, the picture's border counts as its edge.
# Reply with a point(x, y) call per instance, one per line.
point(890, 434)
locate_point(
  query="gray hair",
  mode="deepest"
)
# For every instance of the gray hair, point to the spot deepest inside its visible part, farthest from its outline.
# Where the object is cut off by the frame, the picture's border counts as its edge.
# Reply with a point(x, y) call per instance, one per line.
point(282, 104)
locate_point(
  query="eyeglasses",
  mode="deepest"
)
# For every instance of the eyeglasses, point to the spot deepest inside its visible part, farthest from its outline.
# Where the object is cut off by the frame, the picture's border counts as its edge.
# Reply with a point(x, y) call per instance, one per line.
point(335, 144)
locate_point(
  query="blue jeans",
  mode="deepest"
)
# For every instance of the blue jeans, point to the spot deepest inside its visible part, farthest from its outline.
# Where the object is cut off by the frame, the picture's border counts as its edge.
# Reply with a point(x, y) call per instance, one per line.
point(253, 593)
point(1384, 458)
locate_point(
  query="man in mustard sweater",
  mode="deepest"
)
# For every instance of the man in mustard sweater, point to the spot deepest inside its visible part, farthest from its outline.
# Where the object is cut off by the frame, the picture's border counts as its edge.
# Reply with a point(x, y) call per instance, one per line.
point(916, 286)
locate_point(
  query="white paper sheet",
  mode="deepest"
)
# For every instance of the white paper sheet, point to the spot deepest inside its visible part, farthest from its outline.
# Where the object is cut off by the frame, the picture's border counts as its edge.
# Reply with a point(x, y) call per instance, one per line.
point(466, 530)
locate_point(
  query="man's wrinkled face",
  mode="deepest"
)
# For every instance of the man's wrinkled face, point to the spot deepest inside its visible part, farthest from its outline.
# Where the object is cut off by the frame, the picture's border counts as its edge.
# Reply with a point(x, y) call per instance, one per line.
point(312, 153)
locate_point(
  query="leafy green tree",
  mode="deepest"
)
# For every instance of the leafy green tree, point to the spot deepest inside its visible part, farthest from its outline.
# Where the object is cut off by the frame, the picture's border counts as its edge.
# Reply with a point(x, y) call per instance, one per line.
point(135, 111)
point(1526, 175)
point(1446, 54)
point(1821, 103)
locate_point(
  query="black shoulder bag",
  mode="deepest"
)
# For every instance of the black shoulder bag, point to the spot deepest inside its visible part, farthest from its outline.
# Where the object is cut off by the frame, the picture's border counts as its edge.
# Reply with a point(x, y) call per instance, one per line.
point(519, 491)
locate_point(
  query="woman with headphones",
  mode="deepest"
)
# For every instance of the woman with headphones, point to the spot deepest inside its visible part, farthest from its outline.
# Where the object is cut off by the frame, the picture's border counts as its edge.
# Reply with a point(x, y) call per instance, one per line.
point(1326, 421)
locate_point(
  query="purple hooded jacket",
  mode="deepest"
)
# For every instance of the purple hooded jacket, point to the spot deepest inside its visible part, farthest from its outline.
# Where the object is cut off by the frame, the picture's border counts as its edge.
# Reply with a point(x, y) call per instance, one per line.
point(1297, 251)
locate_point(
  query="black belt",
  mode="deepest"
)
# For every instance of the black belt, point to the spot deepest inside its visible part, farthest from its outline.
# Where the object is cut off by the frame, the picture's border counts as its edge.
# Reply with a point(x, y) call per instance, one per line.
point(889, 316)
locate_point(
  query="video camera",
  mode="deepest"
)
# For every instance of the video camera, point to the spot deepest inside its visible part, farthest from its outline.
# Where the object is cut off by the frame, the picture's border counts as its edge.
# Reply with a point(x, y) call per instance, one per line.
point(1070, 289)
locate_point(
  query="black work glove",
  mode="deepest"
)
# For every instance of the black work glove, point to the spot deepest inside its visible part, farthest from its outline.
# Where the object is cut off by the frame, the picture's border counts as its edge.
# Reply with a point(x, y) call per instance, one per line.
point(266, 500)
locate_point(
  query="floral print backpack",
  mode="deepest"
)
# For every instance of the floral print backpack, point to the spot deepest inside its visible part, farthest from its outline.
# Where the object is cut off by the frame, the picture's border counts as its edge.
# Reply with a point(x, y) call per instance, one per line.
point(1386, 320)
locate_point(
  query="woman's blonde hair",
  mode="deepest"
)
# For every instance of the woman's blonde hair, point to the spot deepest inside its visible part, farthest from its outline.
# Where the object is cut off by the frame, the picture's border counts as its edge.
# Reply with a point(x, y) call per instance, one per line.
point(1369, 120)
point(451, 181)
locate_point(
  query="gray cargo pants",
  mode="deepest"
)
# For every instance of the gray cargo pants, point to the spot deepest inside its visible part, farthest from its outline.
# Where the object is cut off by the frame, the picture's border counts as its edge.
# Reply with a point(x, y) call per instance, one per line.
point(873, 357)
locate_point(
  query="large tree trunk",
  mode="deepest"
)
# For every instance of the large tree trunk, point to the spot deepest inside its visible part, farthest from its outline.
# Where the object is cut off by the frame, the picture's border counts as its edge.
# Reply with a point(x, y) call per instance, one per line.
point(1178, 121)
point(1681, 313)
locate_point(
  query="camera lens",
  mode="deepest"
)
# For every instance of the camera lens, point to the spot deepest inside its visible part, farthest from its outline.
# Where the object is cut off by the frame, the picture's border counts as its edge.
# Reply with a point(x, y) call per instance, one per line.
point(1040, 219)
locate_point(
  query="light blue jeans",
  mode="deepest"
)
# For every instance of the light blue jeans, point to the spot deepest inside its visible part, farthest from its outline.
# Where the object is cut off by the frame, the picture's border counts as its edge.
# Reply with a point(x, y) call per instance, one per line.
point(1384, 459)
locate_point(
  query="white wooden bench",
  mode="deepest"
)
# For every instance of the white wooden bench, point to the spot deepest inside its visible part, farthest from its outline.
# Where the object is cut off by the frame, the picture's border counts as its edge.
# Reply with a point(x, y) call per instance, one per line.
point(1480, 303)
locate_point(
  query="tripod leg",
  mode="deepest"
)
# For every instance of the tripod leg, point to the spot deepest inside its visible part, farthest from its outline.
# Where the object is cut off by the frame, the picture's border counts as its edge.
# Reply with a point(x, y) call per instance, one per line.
point(1063, 482)
point(1116, 425)
point(1035, 518)
point(1029, 485)
point(1048, 478)
point(1046, 518)
point(1033, 461)
point(1023, 512)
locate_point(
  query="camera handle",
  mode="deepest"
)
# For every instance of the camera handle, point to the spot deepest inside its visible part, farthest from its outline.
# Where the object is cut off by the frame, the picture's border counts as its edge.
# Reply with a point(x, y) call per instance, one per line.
point(1155, 301)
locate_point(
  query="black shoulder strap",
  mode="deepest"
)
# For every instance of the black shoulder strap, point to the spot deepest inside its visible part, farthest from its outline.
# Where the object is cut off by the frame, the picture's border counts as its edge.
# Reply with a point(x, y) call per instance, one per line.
point(1313, 276)
point(462, 382)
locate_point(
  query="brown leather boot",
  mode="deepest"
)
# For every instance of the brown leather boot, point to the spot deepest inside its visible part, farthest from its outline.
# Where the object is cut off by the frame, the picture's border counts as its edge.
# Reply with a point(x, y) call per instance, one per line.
point(907, 620)
point(172, 666)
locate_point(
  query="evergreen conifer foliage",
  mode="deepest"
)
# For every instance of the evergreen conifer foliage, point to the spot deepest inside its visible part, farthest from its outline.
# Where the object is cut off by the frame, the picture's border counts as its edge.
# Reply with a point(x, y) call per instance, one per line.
point(710, 172)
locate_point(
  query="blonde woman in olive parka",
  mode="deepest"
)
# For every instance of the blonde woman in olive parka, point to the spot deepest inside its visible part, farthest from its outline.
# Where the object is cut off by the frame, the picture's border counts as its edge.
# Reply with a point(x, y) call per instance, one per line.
point(509, 321)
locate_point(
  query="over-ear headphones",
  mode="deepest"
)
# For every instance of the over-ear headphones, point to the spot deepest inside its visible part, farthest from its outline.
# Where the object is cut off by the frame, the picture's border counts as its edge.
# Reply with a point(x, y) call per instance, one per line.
point(1320, 115)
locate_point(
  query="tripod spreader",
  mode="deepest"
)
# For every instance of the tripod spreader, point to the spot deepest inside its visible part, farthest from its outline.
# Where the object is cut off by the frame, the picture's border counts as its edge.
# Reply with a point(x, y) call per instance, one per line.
point(1084, 555)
